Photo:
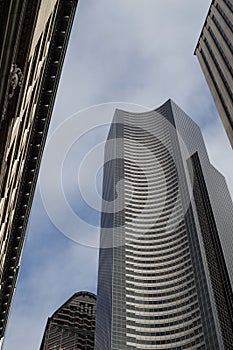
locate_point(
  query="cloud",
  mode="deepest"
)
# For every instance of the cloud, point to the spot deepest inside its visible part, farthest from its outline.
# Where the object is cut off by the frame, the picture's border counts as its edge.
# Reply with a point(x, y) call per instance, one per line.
point(53, 268)
point(132, 51)
point(127, 50)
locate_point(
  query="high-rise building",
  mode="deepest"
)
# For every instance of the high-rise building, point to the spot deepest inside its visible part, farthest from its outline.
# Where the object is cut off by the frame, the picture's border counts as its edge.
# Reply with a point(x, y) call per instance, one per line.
point(215, 54)
point(72, 326)
point(33, 39)
point(165, 262)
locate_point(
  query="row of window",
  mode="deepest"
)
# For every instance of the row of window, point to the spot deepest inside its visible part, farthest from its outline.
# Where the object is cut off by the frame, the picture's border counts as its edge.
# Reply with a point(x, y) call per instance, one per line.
point(150, 265)
point(192, 325)
point(154, 247)
point(161, 301)
point(228, 114)
point(166, 162)
point(161, 294)
point(139, 208)
point(229, 4)
point(227, 40)
point(194, 307)
point(155, 281)
point(154, 235)
point(228, 88)
point(150, 149)
point(136, 271)
point(221, 50)
point(190, 335)
point(146, 285)
point(140, 173)
point(181, 252)
point(146, 128)
point(155, 240)
point(225, 17)
point(182, 320)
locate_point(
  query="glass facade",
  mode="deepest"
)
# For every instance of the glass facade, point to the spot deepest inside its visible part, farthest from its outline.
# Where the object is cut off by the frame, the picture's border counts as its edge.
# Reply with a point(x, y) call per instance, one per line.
point(72, 326)
point(157, 285)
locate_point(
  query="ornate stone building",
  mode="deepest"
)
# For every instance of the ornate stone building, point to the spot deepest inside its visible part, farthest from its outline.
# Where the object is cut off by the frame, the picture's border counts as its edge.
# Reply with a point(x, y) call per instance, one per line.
point(33, 38)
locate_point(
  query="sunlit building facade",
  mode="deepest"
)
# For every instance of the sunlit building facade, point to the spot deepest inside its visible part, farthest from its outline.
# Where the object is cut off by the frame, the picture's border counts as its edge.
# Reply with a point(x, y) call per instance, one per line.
point(215, 54)
point(165, 261)
point(72, 326)
point(33, 38)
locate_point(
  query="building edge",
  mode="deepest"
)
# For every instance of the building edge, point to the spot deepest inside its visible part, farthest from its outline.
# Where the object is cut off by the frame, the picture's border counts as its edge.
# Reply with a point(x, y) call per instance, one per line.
point(57, 50)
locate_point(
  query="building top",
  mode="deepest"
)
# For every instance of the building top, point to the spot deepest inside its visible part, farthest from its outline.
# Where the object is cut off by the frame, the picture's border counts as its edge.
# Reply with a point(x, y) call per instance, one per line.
point(82, 295)
point(208, 13)
point(72, 325)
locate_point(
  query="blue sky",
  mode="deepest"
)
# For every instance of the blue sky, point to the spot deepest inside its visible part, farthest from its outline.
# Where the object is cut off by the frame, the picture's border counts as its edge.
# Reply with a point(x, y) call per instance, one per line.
point(135, 52)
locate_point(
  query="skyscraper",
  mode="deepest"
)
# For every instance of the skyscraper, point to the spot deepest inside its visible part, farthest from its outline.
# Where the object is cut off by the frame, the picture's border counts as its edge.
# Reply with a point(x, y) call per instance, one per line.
point(72, 326)
point(33, 38)
point(165, 262)
point(215, 54)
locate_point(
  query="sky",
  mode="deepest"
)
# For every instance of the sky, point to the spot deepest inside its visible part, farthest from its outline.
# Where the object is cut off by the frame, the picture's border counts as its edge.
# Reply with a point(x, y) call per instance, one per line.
point(122, 54)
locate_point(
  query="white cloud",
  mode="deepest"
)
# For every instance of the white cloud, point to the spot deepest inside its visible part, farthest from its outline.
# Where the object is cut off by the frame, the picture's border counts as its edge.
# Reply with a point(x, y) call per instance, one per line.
point(58, 268)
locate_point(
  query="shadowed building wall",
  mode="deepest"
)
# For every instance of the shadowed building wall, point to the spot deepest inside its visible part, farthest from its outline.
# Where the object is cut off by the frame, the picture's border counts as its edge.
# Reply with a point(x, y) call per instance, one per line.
point(33, 38)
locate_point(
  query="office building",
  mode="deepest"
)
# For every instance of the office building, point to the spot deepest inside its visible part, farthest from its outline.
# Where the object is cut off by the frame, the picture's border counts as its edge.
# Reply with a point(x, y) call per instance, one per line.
point(215, 54)
point(165, 262)
point(33, 39)
point(72, 326)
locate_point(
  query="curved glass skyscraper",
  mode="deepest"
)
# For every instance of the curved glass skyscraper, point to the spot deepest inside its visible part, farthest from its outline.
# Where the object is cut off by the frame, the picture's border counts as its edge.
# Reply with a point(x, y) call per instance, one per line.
point(165, 269)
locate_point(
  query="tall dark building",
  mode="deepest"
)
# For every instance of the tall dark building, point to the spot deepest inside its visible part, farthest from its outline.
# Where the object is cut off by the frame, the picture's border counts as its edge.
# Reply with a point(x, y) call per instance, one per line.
point(165, 262)
point(215, 54)
point(33, 40)
point(72, 326)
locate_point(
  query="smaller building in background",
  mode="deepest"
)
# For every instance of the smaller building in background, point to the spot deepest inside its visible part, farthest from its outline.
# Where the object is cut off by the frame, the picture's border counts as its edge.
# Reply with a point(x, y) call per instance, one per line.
point(215, 54)
point(72, 326)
